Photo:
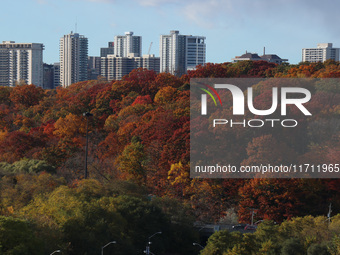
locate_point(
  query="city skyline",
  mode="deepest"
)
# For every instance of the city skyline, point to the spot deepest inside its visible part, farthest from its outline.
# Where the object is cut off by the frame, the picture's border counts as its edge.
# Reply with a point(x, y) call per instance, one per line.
point(231, 27)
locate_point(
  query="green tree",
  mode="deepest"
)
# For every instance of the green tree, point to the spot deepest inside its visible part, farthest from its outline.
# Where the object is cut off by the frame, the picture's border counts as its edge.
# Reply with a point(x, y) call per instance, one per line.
point(318, 249)
point(334, 247)
point(17, 237)
point(26, 166)
point(221, 242)
point(95, 226)
point(132, 161)
point(292, 246)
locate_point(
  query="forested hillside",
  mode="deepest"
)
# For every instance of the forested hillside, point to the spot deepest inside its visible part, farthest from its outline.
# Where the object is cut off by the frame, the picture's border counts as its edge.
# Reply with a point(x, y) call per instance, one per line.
point(138, 164)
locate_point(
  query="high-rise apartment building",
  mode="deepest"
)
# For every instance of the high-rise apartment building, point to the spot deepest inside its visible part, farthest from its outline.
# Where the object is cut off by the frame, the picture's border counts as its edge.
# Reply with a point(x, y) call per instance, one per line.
point(21, 62)
point(51, 76)
point(93, 67)
point(126, 44)
point(108, 50)
point(114, 68)
point(180, 53)
point(150, 62)
point(56, 74)
point(48, 76)
point(323, 52)
point(73, 59)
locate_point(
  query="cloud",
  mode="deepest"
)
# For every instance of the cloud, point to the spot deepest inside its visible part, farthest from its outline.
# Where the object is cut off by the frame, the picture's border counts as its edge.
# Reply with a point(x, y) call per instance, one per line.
point(209, 12)
point(227, 13)
point(157, 2)
point(201, 12)
point(102, 1)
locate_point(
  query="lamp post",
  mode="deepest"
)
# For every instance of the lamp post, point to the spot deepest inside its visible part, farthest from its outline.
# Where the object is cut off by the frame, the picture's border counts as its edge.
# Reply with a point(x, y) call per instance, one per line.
point(147, 251)
point(87, 115)
point(252, 215)
point(55, 252)
point(107, 245)
point(197, 244)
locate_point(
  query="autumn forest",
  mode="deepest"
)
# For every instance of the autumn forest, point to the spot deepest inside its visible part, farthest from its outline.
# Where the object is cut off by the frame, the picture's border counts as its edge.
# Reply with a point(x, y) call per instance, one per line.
point(139, 170)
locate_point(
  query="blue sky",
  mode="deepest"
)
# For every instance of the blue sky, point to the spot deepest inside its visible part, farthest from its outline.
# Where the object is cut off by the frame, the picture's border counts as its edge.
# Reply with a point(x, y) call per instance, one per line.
point(231, 27)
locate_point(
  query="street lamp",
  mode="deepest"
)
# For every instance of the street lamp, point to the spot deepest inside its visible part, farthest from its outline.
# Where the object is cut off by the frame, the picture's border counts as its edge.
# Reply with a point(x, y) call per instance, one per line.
point(107, 245)
point(149, 243)
point(55, 252)
point(197, 244)
point(87, 115)
point(252, 215)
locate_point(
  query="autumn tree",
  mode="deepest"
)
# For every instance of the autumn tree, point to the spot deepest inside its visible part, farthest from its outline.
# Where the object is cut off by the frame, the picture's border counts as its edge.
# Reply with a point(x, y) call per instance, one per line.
point(132, 161)
point(26, 95)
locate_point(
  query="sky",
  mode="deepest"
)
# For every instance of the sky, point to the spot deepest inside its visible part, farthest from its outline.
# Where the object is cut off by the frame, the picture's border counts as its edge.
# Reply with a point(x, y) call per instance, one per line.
point(231, 27)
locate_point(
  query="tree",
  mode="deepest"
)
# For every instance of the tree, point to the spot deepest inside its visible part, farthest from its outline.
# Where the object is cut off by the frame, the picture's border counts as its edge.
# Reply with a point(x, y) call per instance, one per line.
point(274, 199)
point(267, 150)
point(26, 166)
point(26, 95)
point(143, 219)
point(179, 178)
point(16, 145)
point(292, 246)
point(5, 94)
point(334, 247)
point(132, 161)
point(221, 242)
point(95, 226)
point(139, 80)
point(142, 100)
point(70, 126)
point(318, 249)
point(17, 191)
point(17, 237)
point(166, 95)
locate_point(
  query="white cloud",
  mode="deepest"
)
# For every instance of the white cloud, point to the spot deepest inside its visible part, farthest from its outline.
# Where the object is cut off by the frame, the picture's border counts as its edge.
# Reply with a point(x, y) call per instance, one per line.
point(157, 2)
point(102, 1)
point(206, 13)
point(225, 13)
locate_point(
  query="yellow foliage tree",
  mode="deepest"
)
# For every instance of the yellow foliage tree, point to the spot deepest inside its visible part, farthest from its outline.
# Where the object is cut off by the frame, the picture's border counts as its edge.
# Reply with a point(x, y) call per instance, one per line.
point(70, 126)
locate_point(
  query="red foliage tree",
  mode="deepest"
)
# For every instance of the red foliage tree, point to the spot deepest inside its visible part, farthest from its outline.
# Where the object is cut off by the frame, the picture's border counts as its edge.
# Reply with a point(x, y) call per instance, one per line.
point(26, 95)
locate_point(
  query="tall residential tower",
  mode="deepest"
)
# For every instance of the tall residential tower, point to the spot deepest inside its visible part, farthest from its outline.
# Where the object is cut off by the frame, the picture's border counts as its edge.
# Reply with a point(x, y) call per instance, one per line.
point(21, 62)
point(126, 44)
point(180, 53)
point(73, 59)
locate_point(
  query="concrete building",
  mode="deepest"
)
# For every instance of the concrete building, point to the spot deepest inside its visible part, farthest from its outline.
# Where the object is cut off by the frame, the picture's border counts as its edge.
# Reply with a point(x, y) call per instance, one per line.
point(21, 62)
point(180, 53)
point(114, 67)
point(56, 75)
point(51, 76)
point(195, 51)
point(48, 76)
point(93, 67)
point(73, 59)
point(127, 44)
point(108, 50)
point(150, 62)
point(323, 52)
